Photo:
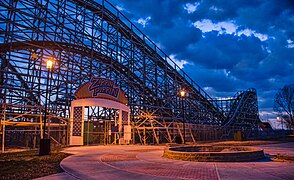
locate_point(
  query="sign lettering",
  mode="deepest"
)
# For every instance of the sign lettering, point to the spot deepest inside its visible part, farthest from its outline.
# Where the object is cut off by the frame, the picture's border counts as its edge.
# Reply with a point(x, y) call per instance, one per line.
point(103, 86)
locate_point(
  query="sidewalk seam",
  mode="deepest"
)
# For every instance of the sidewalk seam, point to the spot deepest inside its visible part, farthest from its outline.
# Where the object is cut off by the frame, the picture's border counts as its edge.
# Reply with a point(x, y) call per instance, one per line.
point(216, 170)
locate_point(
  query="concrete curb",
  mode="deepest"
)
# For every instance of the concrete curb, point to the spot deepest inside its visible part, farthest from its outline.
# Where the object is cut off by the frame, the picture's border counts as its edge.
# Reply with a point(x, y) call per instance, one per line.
point(191, 153)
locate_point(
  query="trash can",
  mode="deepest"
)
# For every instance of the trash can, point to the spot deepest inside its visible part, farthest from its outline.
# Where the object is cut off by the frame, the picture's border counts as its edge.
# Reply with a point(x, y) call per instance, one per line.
point(45, 148)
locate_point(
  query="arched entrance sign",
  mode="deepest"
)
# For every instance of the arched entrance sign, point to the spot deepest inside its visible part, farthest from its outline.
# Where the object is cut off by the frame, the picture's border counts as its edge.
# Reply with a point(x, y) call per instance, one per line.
point(99, 92)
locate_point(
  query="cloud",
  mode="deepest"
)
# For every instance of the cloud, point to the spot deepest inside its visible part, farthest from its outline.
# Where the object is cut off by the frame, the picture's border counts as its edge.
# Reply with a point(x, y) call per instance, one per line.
point(179, 63)
point(225, 51)
point(227, 27)
point(249, 32)
point(120, 8)
point(143, 21)
point(207, 25)
point(190, 8)
point(176, 37)
point(290, 44)
point(224, 45)
point(213, 8)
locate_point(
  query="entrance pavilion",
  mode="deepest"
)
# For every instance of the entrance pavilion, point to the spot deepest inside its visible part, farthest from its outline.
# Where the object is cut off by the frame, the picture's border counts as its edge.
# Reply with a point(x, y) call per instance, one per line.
point(99, 115)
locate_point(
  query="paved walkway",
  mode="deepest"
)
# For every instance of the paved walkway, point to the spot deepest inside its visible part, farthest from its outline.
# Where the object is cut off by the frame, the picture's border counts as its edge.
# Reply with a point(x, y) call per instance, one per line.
point(286, 149)
point(146, 162)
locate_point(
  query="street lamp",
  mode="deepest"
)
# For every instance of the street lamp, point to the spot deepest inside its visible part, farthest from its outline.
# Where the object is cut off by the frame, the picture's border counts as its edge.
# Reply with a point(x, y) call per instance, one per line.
point(45, 142)
point(183, 94)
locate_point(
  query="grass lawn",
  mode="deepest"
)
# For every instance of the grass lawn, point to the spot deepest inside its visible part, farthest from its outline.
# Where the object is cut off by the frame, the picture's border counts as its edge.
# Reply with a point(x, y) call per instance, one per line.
point(29, 165)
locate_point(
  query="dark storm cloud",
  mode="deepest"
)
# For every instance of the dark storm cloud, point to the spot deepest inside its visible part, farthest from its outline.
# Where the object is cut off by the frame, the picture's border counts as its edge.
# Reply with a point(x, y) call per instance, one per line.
point(166, 20)
point(214, 78)
point(249, 43)
point(222, 9)
point(185, 36)
point(225, 51)
point(268, 15)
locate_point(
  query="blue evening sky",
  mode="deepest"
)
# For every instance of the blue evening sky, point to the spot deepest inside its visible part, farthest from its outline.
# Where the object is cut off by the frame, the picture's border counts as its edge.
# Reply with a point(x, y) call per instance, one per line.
point(224, 45)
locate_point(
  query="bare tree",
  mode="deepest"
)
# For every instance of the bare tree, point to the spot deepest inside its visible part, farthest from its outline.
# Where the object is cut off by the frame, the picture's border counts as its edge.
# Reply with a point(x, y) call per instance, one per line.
point(284, 104)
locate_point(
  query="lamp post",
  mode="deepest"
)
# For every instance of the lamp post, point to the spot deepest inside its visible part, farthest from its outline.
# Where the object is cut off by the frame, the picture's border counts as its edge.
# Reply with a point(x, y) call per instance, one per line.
point(45, 142)
point(183, 94)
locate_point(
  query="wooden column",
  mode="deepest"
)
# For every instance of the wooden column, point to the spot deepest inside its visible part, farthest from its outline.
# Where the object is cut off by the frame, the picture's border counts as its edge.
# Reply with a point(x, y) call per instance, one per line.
point(3, 130)
point(3, 135)
point(41, 127)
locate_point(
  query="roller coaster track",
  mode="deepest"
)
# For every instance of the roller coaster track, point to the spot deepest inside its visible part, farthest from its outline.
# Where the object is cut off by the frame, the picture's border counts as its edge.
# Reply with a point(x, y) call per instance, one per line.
point(73, 48)
point(112, 47)
point(241, 99)
point(108, 16)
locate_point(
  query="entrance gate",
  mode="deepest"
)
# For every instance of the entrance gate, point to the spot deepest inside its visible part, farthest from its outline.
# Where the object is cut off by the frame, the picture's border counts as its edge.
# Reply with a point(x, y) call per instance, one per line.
point(101, 126)
point(100, 114)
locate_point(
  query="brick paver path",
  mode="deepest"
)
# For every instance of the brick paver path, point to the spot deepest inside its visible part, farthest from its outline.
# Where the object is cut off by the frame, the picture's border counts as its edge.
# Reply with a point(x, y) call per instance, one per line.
point(146, 162)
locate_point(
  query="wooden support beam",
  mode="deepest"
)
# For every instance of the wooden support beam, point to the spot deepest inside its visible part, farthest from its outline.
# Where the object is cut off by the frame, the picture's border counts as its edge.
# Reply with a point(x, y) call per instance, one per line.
point(3, 130)
point(144, 135)
point(3, 137)
point(23, 124)
point(35, 137)
point(41, 128)
point(180, 132)
point(192, 136)
point(154, 132)
point(168, 134)
point(139, 134)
